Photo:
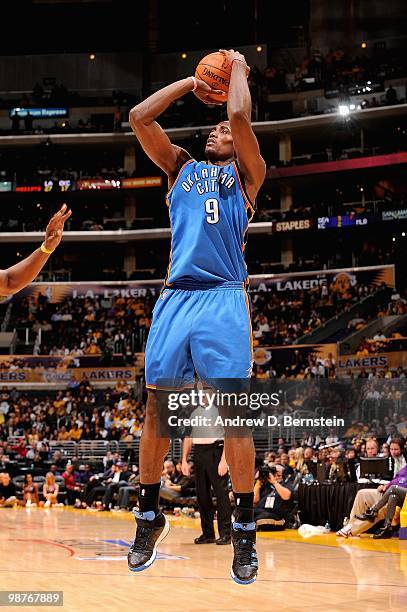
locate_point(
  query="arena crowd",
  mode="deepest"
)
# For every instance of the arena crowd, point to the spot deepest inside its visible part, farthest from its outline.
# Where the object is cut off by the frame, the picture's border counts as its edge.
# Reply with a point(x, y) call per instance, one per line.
point(100, 326)
point(43, 463)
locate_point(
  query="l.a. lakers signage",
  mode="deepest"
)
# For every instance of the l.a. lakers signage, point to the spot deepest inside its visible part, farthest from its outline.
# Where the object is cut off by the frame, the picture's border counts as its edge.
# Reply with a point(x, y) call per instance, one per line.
point(373, 361)
point(338, 281)
point(67, 375)
point(391, 359)
point(282, 355)
point(261, 356)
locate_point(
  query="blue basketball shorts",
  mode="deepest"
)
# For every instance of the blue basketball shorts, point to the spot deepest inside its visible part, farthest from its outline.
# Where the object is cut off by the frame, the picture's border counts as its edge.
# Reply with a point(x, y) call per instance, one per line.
point(203, 331)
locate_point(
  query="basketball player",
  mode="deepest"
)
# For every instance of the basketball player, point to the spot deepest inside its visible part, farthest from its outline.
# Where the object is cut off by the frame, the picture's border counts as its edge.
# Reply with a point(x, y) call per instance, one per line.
point(24, 272)
point(201, 321)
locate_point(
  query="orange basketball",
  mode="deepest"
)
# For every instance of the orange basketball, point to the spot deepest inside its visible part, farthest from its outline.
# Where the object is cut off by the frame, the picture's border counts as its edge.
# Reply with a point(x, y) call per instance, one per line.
point(215, 70)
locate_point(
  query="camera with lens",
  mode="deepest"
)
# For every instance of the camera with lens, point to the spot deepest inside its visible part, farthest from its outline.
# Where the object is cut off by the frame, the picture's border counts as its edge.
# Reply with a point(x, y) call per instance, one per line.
point(264, 472)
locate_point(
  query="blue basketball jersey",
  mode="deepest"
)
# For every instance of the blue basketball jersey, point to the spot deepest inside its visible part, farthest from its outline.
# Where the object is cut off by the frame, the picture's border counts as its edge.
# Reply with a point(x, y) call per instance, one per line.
point(209, 214)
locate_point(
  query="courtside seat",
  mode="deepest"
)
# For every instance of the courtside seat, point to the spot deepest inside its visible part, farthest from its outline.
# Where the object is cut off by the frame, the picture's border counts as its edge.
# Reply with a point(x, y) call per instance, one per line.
point(39, 480)
point(19, 482)
point(62, 490)
point(403, 521)
point(180, 501)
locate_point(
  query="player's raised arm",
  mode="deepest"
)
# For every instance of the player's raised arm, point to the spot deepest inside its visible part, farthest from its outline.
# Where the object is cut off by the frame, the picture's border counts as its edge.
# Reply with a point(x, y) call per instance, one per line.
point(239, 109)
point(24, 272)
point(151, 136)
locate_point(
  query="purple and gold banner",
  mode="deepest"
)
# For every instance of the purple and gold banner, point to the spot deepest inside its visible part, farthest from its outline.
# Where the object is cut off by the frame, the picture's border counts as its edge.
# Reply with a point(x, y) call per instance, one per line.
point(338, 281)
point(69, 369)
point(64, 375)
point(391, 360)
point(266, 356)
point(58, 292)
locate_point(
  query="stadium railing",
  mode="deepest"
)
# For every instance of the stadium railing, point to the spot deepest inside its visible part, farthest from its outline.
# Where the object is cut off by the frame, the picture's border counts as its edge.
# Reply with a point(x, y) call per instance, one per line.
point(92, 450)
point(335, 328)
point(67, 448)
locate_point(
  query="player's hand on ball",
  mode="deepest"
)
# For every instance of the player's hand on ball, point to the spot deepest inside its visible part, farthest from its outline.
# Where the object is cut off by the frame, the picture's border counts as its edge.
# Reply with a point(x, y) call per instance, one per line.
point(55, 227)
point(231, 55)
point(204, 91)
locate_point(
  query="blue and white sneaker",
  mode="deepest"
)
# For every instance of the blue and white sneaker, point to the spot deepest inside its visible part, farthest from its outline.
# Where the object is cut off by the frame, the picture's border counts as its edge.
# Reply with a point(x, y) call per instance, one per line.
point(245, 564)
point(151, 530)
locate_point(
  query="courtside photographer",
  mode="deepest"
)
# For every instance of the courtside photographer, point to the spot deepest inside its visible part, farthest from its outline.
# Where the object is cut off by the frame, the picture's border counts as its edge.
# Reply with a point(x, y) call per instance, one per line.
point(273, 498)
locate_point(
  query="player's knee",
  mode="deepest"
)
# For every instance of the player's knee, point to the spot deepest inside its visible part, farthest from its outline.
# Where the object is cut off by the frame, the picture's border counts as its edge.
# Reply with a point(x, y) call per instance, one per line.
point(151, 406)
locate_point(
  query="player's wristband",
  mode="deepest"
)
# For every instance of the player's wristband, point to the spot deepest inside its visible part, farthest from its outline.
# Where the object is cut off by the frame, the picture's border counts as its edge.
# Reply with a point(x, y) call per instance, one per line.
point(44, 249)
point(195, 82)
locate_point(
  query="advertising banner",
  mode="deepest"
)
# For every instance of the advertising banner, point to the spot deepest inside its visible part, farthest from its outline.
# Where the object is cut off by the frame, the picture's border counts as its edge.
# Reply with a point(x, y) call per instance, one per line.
point(392, 360)
point(39, 113)
point(67, 375)
point(143, 181)
point(97, 184)
point(69, 369)
point(58, 292)
point(350, 220)
point(338, 281)
point(394, 215)
point(294, 225)
point(127, 183)
point(265, 356)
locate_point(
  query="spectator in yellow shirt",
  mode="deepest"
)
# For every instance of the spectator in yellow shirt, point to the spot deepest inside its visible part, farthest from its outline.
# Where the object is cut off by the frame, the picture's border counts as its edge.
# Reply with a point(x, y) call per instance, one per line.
point(75, 433)
point(63, 434)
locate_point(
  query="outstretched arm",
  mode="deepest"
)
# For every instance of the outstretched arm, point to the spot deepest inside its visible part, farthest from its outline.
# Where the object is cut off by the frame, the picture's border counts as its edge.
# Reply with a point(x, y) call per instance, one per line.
point(150, 134)
point(24, 272)
point(239, 109)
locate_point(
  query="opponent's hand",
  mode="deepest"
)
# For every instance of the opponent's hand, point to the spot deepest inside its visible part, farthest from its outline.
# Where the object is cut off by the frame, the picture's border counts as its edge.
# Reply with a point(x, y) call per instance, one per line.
point(204, 91)
point(231, 55)
point(55, 227)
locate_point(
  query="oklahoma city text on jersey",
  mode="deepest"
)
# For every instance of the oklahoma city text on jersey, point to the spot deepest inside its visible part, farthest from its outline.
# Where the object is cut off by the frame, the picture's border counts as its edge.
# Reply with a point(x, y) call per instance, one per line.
point(208, 180)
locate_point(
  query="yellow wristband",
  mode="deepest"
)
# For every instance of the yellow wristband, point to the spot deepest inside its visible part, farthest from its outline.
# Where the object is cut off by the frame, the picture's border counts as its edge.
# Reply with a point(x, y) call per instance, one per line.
point(44, 249)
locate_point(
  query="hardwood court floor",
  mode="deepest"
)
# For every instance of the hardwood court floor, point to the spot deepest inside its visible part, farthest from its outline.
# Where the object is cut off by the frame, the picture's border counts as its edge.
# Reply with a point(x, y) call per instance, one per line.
point(83, 554)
